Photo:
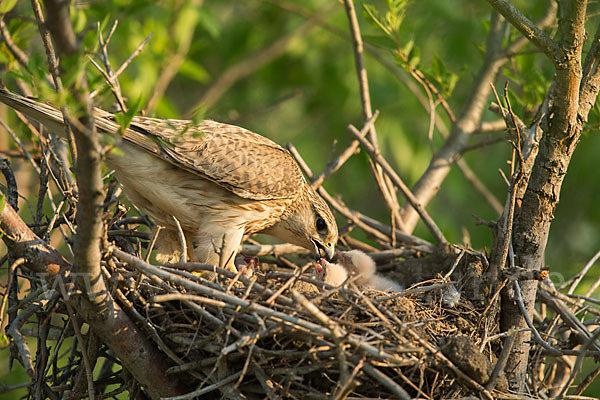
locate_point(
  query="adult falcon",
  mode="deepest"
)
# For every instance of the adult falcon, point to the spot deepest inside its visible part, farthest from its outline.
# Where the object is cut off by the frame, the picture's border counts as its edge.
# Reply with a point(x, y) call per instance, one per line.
point(219, 181)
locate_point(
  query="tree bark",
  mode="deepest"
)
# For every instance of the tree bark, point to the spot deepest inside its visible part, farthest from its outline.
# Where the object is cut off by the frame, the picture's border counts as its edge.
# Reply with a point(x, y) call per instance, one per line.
point(562, 129)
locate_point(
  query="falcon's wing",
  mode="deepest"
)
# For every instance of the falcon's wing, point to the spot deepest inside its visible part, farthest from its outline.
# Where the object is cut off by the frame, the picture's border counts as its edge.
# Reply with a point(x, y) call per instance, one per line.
point(244, 162)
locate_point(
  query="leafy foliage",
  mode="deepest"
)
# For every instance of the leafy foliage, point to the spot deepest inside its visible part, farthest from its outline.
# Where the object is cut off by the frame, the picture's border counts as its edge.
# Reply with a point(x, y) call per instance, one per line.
point(308, 93)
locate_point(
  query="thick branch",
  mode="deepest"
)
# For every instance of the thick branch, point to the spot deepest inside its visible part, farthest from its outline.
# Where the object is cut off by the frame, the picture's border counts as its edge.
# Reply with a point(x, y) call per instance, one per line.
point(439, 167)
point(561, 133)
point(529, 30)
point(113, 326)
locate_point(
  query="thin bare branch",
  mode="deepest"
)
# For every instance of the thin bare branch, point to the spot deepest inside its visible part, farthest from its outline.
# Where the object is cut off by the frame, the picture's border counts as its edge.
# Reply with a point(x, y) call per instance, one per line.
point(387, 190)
point(336, 164)
point(433, 228)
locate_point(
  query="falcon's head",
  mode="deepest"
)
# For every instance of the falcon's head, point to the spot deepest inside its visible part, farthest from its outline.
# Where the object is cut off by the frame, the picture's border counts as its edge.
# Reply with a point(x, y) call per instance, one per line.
point(309, 223)
point(320, 226)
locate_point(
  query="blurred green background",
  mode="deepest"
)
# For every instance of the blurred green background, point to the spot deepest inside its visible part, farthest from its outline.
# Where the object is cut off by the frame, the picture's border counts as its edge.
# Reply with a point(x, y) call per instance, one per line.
point(285, 69)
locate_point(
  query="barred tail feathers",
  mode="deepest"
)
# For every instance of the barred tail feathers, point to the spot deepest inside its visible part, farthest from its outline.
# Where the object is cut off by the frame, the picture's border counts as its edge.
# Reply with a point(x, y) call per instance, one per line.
point(45, 114)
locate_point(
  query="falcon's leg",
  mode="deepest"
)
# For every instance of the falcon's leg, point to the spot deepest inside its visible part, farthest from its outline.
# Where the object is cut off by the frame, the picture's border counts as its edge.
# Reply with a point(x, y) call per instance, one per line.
point(217, 246)
point(168, 248)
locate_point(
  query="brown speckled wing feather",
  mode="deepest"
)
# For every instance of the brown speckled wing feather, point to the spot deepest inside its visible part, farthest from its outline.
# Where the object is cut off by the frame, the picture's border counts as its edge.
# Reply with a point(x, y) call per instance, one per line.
point(244, 162)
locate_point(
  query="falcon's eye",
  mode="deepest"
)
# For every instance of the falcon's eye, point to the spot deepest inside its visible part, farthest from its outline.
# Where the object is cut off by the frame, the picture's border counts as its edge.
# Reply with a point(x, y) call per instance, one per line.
point(321, 225)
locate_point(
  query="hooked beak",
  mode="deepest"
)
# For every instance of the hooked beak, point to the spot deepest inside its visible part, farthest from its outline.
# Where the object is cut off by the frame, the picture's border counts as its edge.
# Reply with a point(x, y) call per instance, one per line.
point(323, 251)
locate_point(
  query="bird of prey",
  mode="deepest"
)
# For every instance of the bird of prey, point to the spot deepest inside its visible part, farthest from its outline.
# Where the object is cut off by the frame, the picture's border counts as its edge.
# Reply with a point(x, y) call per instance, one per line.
point(219, 181)
point(360, 267)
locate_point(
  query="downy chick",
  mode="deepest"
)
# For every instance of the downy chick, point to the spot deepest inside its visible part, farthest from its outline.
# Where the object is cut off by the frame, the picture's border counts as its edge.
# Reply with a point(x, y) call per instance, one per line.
point(332, 274)
point(363, 267)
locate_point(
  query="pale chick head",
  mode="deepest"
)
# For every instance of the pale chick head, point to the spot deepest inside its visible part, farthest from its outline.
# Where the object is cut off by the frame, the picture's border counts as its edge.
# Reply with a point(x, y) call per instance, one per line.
point(332, 274)
point(309, 223)
point(357, 262)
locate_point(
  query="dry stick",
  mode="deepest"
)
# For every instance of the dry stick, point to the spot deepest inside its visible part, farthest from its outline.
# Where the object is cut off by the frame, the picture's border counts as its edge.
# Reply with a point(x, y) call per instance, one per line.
point(119, 333)
point(84, 355)
point(197, 393)
point(569, 318)
point(20, 56)
point(433, 228)
point(14, 332)
point(350, 383)
point(386, 381)
point(582, 273)
point(155, 234)
point(137, 51)
point(235, 301)
point(11, 270)
point(53, 64)
point(266, 383)
point(123, 66)
point(457, 371)
point(299, 272)
point(509, 207)
point(115, 87)
point(19, 143)
point(387, 191)
point(502, 359)
point(369, 225)
point(419, 77)
point(587, 381)
point(578, 364)
point(229, 274)
point(111, 83)
point(337, 332)
point(336, 164)
point(12, 192)
point(337, 204)
point(454, 265)
point(495, 57)
point(536, 334)
point(98, 307)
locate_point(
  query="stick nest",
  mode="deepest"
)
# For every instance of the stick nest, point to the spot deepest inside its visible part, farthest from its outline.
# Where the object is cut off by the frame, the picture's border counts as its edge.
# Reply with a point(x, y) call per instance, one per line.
point(286, 335)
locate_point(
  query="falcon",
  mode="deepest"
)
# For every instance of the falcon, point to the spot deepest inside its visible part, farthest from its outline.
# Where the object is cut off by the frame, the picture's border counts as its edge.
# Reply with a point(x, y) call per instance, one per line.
point(219, 181)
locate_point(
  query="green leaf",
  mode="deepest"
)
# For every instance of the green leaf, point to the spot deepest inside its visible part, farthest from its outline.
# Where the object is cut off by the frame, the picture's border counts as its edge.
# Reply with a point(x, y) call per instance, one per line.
point(194, 71)
point(414, 57)
point(2, 203)
point(4, 341)
point(372, 16)
point(186, 24)
point(7, 5)
point(208, 21)
point(124, 118)
point(407, 48)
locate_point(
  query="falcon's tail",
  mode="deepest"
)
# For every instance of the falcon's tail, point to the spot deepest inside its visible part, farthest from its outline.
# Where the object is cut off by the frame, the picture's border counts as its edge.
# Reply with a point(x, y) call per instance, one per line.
point(45, 114)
